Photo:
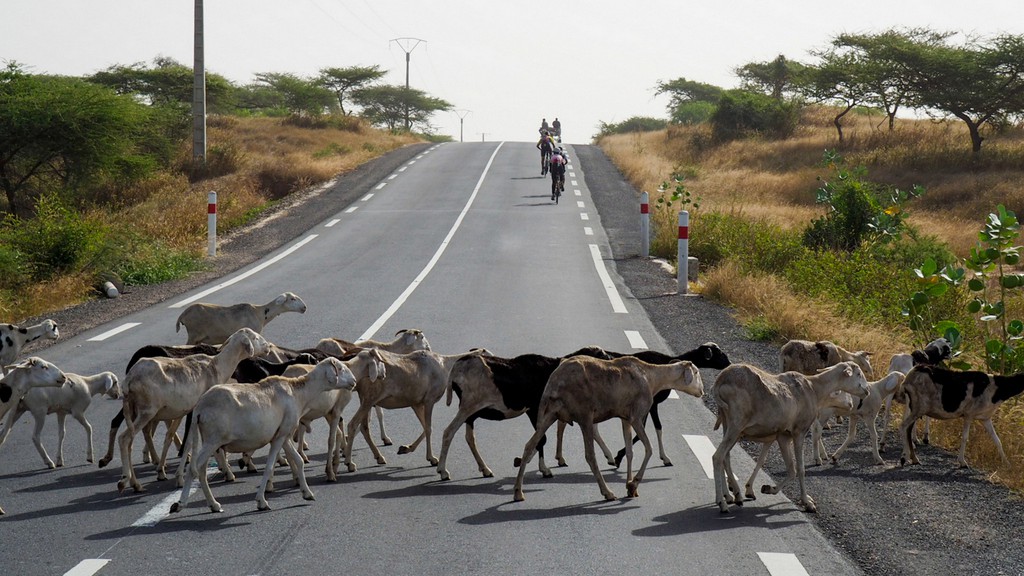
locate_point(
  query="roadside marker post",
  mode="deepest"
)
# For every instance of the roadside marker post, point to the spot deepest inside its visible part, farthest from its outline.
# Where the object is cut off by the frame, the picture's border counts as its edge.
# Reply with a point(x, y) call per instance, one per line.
point(645, 226)
point(683, 252)
point(211, 224)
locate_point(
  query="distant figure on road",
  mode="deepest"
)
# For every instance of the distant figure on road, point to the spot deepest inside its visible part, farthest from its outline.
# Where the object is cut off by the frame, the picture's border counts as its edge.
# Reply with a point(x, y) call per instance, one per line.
point(544, 125)
point(557, 127)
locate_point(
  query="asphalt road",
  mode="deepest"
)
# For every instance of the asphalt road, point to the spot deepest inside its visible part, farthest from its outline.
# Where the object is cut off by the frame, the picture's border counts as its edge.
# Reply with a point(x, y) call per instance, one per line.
point(489, 262)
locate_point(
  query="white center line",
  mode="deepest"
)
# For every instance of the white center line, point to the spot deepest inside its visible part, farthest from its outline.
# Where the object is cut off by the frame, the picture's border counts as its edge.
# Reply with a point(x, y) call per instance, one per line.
point(588, 230)
point(779, 564)
point(609, 287)
point(331, 223)
point(580, 204)
point(367, 197)
point(351, 210)
point(163, 509)
point(114, 332)
point(402, 169)
point(433, 261)
point(703, 449)
point(246, 274)
point(381, 185)
point(393, 176)
point(87, 567)
point(578, 193)
point(574, 183)
point(636, 340)
point(584, 216)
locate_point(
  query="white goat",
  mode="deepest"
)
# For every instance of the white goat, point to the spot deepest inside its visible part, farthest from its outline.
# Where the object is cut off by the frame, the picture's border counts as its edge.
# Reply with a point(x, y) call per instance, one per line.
point(590, 390)
point(405, 341)
point(837, 400)
point(948, 394)
point(246, 417)
point(73, 398)
point(415, 380)
point(879, 392)
point(22, 377)
point(756, 405)
point(367, 366)
point(13, 338)
point(934, 354)
point(213, 324)
point(165, 389)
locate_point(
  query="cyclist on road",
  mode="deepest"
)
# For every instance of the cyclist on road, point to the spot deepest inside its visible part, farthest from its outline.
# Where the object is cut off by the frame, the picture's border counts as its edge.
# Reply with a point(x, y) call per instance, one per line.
point(546, 146)
point(558, 162)
point(544, 125)
point(556, 126)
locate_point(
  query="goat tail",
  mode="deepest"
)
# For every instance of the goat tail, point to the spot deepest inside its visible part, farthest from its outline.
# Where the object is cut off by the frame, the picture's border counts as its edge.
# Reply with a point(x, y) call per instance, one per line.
point(448, 393)
point(718, 421)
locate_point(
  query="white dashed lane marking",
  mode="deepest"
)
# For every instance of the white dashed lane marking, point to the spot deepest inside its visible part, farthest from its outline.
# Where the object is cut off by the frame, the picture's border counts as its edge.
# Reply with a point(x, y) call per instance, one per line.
point(588, 230)
point(331, 223)
point(584, 216)
point(367, 197)
point(636, 340)
point(702, 448)
point(780, 564)
point(113, 332)
point(87, 567)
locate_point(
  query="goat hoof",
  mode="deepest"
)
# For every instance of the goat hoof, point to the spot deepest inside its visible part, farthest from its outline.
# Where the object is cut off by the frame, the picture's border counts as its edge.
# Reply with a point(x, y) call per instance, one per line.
point(766, 489)
point(104, 462)
point(487, 473)
point(176, 507)
point(667, 462)
point(261, 506)
point(403, 449)
point(308, 496)
point(445, 475)
point(903, 462)
point(216, 509)
point(89, 460)
point(632, 490)
point(386, 441)
point(546, 474)
point(517, 462)
point(609, 497)
point(50, 465)
point(352, 467)
point(518, 497)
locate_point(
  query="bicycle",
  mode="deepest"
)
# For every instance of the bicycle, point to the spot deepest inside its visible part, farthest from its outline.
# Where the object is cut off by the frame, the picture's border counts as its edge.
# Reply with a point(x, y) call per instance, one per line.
point(545, 159)
point(557, 186)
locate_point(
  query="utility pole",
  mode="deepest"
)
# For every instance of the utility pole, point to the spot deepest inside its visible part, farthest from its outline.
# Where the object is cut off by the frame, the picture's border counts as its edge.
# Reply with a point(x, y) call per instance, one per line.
point(199, 93)
point(483, 136)
point(462, 114)
point(407, 45)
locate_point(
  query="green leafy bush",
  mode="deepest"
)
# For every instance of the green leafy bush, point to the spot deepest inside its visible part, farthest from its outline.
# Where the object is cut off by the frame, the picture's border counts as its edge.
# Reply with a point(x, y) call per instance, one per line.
point(58, 239)
point(741, 113)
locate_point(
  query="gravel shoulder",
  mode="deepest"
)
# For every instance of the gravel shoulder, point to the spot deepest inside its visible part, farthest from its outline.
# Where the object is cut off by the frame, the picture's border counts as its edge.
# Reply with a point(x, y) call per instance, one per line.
point(922, 520)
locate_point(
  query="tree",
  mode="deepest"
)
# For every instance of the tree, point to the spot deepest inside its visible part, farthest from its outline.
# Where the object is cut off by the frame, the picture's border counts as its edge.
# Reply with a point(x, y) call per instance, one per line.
point(978, 82)
point(168, 82)
point(60, 132)
point(774, 78)
point(741, 112)
point(885, 77)
point(387, 105)
point(301, 96)
point(839, 79)
point(344, 81)
point(690, 102)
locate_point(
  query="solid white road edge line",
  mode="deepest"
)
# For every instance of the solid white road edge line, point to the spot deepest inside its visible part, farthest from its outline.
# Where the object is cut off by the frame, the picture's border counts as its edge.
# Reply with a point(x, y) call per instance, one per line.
point(114, 332)
point(246, 274)
point(433, 261)
point(609, 287)
point(703, 449)
point(782, 564)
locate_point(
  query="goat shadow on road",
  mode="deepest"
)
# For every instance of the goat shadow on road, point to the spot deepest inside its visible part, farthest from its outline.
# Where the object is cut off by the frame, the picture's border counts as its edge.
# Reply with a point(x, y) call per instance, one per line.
point(515, 512)
point(707, 518)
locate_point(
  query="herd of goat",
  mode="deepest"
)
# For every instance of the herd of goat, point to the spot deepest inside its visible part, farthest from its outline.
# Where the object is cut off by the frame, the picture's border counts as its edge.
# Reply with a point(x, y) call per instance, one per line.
point(237, 393)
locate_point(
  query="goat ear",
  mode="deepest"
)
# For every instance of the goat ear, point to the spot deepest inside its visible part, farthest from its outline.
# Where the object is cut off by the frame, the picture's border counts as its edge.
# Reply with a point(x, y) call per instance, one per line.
point(372, 370)
point(848, 371)
point(708, 353)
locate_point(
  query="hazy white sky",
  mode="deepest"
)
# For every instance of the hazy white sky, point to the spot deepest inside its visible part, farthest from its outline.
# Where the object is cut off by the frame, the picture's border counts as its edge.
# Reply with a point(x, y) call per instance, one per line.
point(509, 63)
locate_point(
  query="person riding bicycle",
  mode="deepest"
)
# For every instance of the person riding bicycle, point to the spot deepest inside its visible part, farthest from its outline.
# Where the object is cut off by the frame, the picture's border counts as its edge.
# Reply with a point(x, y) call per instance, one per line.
point(556, 127)
point(558, 162)
point(546, 146)
point(544, 125)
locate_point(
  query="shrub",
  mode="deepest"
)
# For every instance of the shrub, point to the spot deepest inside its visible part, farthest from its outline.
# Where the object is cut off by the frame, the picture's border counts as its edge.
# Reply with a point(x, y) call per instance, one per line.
point(634, 124)
point(741, 113)
point(58, 239)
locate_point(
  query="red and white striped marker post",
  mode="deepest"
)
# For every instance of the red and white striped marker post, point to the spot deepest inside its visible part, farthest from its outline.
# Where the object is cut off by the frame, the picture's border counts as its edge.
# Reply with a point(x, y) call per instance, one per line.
point(683, 253)
point(645, 226)
point(211, 224)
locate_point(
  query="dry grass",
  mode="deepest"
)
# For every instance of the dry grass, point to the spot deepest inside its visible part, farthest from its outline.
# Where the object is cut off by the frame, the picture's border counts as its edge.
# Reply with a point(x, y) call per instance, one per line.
point(775, 182)
point(254, 161)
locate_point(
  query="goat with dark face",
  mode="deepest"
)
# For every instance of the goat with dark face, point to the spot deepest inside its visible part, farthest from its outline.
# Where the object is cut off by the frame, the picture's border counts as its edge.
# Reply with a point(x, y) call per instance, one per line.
point(496, 388)
point(947, 394)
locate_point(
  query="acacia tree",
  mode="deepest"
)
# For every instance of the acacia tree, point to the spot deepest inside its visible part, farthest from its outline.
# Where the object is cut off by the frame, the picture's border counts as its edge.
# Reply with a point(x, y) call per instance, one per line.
point(167, 82)
point(343, 81)
point(690, 101)
point(885, 77)
point(59, 132)
point(978, 82)
point(300, 96)
point(387, 106)
point(775, 78)
point(838, 79)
